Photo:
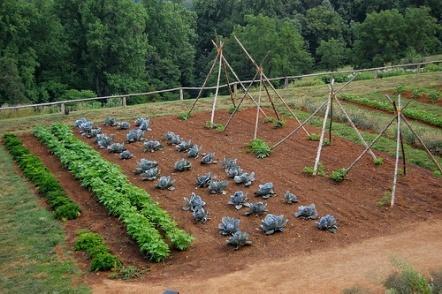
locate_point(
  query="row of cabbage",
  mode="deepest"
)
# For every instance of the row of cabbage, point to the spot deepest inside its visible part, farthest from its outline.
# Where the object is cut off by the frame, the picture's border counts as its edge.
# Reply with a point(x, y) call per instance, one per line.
point(145, 220)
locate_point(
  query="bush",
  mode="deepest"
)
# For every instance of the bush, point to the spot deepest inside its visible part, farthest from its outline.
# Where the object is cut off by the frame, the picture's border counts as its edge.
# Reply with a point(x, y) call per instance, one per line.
point(34, 169)
point(338, 175)
point(408, 281)
point(93, 245)
point(260, 148)
point(433, 67)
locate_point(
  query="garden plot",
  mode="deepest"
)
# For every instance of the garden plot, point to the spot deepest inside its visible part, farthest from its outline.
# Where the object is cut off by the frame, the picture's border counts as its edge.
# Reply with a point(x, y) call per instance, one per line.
point(352, 202)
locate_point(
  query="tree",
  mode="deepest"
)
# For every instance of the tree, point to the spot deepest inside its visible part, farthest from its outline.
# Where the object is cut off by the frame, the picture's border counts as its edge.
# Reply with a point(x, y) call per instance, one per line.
point(322, 23)
point(332, 54)
point(280, 38)
point(422, 30)
point(381, 38)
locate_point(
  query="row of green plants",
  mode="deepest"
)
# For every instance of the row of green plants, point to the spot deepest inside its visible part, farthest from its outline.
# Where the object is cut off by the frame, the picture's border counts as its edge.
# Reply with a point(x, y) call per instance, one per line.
point(34, 169)
point(101, 257)
point(143, 217)
point(425, 113)
point(416, 92)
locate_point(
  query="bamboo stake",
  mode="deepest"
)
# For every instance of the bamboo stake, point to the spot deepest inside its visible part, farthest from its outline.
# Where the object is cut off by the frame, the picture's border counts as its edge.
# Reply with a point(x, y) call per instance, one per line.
point(228, 81)
point(205, 82)
point(268, 81)
point(212, 118)
point(422, 143)
point(240, 102)
point(398, 139)
point(271, 102)
point(354, 127)
point(298, 127)
point(332, 95)
point(371, 145)
point(257, 108)
point(247, 92)
point(321, 140)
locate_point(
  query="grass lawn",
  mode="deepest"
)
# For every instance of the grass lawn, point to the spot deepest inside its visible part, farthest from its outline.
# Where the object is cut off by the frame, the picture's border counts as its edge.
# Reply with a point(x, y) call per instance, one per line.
point(29, 236)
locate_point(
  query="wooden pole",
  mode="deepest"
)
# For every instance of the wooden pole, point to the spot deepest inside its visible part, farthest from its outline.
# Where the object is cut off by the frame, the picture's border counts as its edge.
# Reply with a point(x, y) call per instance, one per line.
point(354, 127)
point(212, 117)
point(369, 146)
point(228, 81)
point(255, 134)
point(321, 140)
point(124, 102)
point(298, 127)
point(181, 94)
point(205, 82)
point(247, 92)
point(398, 144)
point(271, 101)
point(422, 143)
point(332, 95)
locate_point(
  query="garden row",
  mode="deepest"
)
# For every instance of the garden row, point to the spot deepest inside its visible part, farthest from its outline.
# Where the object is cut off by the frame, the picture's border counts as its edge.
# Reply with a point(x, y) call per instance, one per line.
point(425, 113)
point(144, 219)
point(34, 169)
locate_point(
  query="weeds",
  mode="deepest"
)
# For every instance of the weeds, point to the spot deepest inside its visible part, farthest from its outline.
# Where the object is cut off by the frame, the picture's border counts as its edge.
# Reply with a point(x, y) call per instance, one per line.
point(378, 161)
point(184, 116)
point(385, 200)
point(308, 170)
point(407, 280)
point(126, 273)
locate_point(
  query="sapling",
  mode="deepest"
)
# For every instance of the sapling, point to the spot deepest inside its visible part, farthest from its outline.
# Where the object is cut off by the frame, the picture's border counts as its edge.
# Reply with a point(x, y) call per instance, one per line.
point(165, 182)
point(256, 208)
point(152, 146)
point(204, 180)
point(290, 198)
point(228, 225)
point(265, 191)
point(238, 199)
point(217, 187)
point(193, 202)
point(273, 223)
point(327, 223)
point(150, 174)
point(126, 154)
point(239, 239)
point(182, 165)
point(307, 212)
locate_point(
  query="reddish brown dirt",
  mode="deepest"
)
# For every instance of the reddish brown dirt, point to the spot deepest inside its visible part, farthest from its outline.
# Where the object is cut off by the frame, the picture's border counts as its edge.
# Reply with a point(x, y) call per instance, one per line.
point(353, 202)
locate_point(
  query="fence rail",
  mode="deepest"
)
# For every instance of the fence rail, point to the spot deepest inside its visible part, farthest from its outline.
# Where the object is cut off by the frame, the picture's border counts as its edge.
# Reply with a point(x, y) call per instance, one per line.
point(181, 90)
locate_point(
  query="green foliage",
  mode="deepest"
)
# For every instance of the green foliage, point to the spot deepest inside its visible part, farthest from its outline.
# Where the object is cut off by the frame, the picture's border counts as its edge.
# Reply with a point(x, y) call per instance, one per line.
point(260, 148)
point(385, 200)
point(314, 137)
point(93, 245)
point(407, 280)
point(215, 126)
point(137, 211)
point(378, 161)
point(309, 170)
point(338, 175)
point(332, 54)
point(184, 116)
point(34, 169)
point(308, 82)
point(277, 123)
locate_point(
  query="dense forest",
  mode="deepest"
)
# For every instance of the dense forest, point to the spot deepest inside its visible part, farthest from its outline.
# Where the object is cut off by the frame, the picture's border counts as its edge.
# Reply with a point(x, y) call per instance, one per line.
point(65, 49)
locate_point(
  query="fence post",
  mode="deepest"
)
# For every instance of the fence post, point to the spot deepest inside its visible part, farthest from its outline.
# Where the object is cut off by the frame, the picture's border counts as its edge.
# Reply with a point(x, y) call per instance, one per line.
point(123, 101)
point(62, 108)
point(286, 83)
point(181, 94)
point(235, 89)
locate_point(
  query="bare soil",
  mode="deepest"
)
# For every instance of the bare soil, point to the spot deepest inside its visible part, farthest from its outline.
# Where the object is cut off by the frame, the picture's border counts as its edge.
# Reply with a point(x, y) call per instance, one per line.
point(353, 202)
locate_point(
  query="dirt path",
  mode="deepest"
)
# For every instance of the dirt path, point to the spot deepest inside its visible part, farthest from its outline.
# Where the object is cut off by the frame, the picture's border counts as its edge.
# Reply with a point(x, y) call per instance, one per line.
point(365, 264)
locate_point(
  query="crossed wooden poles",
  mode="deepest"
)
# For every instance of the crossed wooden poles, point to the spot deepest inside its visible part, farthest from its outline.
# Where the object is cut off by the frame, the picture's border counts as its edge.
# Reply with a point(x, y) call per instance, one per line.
point(399, 118)
point(332, 97)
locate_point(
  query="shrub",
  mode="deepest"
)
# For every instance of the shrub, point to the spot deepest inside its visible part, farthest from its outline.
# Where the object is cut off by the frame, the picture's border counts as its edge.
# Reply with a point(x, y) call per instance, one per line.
point(338, 175)
point(407, 280)
point(260, 148)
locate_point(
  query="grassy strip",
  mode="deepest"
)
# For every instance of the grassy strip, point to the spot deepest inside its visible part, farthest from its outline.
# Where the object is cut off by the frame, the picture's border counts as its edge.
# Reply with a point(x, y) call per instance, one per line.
point(423, 112)
point(29, 238)
point(138, 197)
point(101, 257)
point(414, 156)
point(34, 169)
point(85, 169)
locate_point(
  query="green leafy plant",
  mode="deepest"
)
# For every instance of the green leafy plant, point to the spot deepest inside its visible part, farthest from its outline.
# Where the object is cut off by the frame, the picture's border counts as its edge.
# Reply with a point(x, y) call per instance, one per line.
point(34, 169)
point(385, 200)
point(184, 116)
point(260, 148)
point(407, 280)
point(314, 137)
point(232, 109)
point(338, 175)
point(308, 170)
point(378, 161)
